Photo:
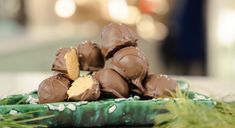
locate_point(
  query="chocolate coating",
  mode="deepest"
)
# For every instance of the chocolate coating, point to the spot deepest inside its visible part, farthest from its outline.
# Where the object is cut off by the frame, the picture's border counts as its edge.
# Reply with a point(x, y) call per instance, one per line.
point(85, 88)
point(53, 89)
point(131, 63)
point(59, 64)
point(116, 36)
point(111, 82)
point(90, 56)
point(159, 86)
point(66, 62)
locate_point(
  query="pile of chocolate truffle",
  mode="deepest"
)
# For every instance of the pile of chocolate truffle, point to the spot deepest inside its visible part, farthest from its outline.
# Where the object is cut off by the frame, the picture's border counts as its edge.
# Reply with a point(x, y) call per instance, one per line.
point(118, 69)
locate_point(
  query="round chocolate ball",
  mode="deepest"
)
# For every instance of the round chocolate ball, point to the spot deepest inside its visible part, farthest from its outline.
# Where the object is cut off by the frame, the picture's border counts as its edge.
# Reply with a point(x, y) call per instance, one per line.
point(112, 83)
point(85, 88)
point(59, 63)
point(159, 86)
point(53, 89)
point(116, 36)
point(131, 63)
point(66, 62)
point(90, 56)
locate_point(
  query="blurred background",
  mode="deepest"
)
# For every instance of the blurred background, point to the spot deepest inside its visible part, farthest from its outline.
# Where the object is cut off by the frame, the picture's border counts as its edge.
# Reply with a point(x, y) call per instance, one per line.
point(191, 40)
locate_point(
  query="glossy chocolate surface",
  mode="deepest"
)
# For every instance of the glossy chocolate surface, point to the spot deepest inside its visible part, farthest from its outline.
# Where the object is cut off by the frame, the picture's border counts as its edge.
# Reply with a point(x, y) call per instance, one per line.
point(90, 56)
point(59, 63)
point(53, 89)
point(116, 36)
point(111, 82)
point(159, 86)
point(131, 63)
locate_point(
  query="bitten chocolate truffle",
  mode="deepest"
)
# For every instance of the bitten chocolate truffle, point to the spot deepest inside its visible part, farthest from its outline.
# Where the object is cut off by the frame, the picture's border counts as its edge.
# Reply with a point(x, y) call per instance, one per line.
point(131, 63)
point(53, 89)
point(159, 86)
point(66, 62)
point(116, 36)
point(85, 88)
point(112, 83)
point(90, 56)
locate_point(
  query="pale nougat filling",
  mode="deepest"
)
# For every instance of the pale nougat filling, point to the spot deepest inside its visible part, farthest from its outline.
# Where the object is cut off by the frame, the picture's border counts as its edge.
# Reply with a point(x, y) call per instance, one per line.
point(80, 85)
point(72, 64)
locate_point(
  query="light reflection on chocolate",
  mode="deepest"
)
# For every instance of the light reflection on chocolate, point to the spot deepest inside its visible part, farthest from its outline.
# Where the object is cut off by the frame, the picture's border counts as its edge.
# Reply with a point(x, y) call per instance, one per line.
point(90, 56)
point(59, 64)
point(115, 37)
point(53, 89)
point(131, 63)
point(159, 86)
point(111, 82)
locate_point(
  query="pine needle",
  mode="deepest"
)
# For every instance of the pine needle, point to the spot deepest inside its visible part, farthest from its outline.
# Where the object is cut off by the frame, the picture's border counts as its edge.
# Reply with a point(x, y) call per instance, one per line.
point(188, 114)
point(22, 120)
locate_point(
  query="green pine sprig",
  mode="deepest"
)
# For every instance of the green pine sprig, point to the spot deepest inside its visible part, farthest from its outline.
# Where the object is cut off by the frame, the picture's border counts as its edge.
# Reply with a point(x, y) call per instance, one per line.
point(22, 120)
point(188, 114)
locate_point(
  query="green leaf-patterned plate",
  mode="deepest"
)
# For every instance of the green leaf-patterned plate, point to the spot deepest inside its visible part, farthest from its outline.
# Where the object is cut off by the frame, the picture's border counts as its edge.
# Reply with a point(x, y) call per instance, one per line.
point(111, 112)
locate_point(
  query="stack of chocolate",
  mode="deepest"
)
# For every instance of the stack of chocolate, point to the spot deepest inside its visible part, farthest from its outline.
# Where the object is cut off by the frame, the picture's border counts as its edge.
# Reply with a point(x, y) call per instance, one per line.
point(118, 69)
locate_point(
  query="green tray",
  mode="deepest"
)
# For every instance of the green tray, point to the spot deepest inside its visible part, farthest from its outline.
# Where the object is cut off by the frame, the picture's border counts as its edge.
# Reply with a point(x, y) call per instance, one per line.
point(111, 112)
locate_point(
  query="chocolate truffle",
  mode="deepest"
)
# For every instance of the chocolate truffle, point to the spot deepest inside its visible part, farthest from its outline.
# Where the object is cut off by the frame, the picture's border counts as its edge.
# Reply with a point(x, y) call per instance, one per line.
point(116, 36)
point(159, 86)
point(90, 56)
point(85, 88)
point(131, 63)
point(53, 89)
point(66, 62)
point(112, 83)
